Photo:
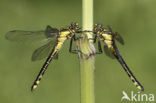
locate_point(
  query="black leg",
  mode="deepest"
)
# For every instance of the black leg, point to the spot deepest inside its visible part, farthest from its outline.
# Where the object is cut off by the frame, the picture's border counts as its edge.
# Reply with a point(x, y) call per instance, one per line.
point(83, 31)
point(75, 38)
point(71, 44)
point(95, 38)
point(99, 47)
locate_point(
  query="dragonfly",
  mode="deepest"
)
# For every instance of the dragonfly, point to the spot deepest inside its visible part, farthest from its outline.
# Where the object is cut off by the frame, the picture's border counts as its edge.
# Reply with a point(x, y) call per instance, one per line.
point(109, 37)
point(50, 50)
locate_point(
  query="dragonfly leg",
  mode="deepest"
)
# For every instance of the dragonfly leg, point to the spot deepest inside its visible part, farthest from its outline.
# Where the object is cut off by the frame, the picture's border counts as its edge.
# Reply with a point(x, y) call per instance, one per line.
point(71, 44)
point(76, 38)
point(99, 47)
point(84, 31)
point(99, 44)
point(95, 39)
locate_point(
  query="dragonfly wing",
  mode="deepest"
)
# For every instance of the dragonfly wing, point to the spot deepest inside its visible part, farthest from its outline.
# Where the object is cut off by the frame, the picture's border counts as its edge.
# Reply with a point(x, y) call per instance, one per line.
point(32, 36)
point(116, 35)
point(118, 38)
point(110, 29)
point(51, 32)
point(44, 51)
point(108, 52)
point(25, 36)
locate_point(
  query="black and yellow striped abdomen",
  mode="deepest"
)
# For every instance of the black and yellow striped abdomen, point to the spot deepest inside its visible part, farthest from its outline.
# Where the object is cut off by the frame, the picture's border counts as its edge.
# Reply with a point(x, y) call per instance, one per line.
point(128, 71)
point(60, 41)
point(44, 68)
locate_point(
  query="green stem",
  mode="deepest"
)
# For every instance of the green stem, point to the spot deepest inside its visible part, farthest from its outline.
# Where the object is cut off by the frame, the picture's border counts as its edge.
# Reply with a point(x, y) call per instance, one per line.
point(86, 58)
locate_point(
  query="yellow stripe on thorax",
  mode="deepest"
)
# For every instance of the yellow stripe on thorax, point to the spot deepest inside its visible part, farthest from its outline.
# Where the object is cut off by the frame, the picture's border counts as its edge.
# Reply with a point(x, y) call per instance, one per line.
point(107, 39)
point(107, 36)
point(64, 33)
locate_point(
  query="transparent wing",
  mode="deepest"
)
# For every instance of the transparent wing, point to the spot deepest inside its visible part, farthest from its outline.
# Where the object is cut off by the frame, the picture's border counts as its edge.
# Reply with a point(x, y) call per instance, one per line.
point(25, 36)
point(118, 38)
point(108, 53)
point(51, 32)
point(32, 36)
point(110, 29)
point(44, 51)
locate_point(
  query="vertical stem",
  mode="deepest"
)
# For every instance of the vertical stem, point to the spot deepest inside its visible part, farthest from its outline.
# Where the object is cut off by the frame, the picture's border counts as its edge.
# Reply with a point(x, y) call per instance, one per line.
point(87, 13)
point(86, 56)
point(87, 81)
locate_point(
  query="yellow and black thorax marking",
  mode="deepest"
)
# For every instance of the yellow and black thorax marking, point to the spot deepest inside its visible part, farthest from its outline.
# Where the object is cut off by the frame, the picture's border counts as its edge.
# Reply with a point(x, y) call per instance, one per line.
point(107, 37)
point(63, 35)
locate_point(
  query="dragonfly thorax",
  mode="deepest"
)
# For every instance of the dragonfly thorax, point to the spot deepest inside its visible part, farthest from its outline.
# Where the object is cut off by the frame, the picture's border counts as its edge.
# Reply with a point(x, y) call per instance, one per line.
point(107, 36)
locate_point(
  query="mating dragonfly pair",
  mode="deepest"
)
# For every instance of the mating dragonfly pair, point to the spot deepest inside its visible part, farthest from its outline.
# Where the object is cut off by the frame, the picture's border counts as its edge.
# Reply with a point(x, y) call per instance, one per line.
point(58, 37)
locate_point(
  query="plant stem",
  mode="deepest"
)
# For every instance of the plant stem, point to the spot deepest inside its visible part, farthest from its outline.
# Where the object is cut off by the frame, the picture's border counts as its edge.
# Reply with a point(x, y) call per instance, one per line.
point(87, 13)
point(86, 56)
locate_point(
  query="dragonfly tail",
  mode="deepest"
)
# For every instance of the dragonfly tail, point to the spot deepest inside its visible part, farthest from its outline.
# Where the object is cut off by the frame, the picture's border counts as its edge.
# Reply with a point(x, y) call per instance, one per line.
point(42, 71)
point(128, 71)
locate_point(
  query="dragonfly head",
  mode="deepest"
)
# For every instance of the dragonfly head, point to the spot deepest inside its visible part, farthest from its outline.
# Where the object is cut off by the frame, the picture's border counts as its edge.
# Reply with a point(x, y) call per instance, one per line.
point(97, 27)
point(74, 26)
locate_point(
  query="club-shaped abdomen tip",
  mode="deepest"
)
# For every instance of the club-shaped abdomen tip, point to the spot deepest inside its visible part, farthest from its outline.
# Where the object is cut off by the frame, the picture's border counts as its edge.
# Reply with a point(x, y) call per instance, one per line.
point(138, 85)
point(34, 86)
point(141, 88)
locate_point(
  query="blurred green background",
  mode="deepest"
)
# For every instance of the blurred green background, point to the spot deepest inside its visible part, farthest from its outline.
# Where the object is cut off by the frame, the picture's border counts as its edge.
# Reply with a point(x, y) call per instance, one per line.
point(135, 20)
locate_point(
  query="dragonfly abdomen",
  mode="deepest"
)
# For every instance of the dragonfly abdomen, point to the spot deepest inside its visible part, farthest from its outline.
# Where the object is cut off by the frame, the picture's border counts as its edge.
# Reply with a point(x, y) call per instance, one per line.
point(130, 74)
point(44, 67)
point(49, 59)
